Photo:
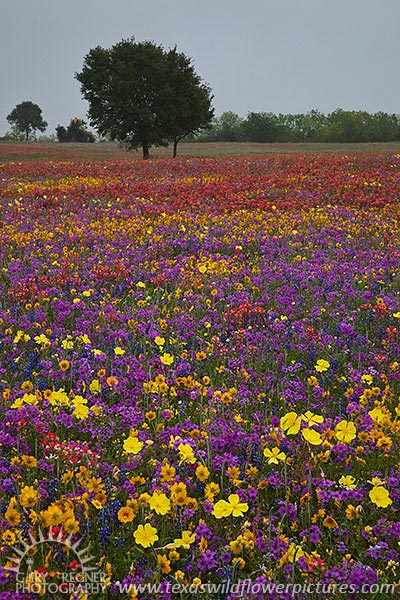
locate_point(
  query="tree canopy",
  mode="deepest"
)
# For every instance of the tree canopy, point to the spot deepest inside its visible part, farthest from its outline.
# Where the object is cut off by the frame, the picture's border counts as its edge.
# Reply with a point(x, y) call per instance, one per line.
point(27, 117)
point(338, 126)
point(143, 95)
point(189, 99)
point(75, 132)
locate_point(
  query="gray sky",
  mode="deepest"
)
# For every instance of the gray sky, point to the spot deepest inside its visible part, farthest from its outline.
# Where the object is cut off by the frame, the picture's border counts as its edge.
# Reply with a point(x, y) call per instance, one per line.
point(257, 55)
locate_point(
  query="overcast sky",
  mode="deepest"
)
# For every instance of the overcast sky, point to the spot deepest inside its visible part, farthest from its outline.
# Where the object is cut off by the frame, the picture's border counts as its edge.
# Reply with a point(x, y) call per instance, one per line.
point(257, 55)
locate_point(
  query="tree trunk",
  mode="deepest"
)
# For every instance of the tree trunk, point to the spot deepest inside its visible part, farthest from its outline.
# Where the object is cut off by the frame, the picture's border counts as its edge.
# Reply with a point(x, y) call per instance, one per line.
point(175, 148)
point(146, 154)
point(27, 134)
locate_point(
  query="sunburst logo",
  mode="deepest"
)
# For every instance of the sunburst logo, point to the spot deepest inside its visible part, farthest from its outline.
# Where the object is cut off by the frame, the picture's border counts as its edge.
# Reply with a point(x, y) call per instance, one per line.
point(72, 570)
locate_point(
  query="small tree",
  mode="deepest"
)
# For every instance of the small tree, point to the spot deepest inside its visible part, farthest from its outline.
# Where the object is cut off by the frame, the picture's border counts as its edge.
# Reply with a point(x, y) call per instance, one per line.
point(14, 135)
point(75, 132)
point(27, 117)
point(62, 134)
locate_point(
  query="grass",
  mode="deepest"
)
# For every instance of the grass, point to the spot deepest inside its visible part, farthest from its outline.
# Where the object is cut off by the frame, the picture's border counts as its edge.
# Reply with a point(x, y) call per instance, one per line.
point(36, 151)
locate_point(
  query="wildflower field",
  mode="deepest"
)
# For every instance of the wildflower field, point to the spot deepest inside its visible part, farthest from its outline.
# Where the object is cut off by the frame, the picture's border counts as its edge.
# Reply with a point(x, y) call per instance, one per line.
point(199, 373)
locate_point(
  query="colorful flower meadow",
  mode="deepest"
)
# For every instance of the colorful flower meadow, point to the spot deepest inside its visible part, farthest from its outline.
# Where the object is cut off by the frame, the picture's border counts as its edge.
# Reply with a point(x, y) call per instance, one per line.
point(200, 372)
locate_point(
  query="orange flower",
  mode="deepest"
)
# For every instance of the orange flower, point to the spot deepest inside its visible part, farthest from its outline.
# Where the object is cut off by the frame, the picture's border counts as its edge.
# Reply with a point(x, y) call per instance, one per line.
point(329, 522)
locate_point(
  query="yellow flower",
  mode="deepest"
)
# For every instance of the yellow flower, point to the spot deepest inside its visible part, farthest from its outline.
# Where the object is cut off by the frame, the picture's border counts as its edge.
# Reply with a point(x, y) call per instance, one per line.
point(312, 437)
point(67, 477)
point(52, 516)
point(366, 379)
point(164, 563)
point(312, 419)
point(292, 554)
point(8, 537)
point(211, 490)
point(380, 496)
point(377, 414)
point(29, 461)
point(126, 514)
point(145, 535)
point(17, 404)
point(185, 541)
point(71, 525)
point(95, 386)
point(290, 423)
point(274, 455)
point(375, 481)
point(27, 386)
point(42, 339)
point(222, 509)
point(30, 399)
point(79, 400)
point(347, 482)
point(166, 358)
point(232, 507)
point(159, 503)
point(27, 399)
point(322, 365)
point(236, 546)
point(352, 512)
point(329, 522)
point(202, 268)
point(67, 344)
point(202, 473)
point(345, 431)
point(186, 453)
point(396, 315)
point(119, 351)
point(160, 341)
point(35, 582)
point(28, 496)
point(12, 516)
point(132, 445)
point(21, 336)
point(81, 411)
point(168, 472)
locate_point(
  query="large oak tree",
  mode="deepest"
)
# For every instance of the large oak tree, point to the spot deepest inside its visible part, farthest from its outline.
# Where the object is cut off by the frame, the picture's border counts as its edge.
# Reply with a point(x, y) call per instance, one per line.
point(142, 95)
point(190, 99)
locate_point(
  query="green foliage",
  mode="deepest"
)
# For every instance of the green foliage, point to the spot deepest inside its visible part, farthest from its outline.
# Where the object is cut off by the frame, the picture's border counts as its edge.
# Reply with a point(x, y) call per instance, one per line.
point(27, 117)
point(189, 99)
point(75, 132)
point(46, 139)
point(225, 128)
point(14, 135)
point(260, 127)
point(143, 96)
point(62, 134)
point(339, 126)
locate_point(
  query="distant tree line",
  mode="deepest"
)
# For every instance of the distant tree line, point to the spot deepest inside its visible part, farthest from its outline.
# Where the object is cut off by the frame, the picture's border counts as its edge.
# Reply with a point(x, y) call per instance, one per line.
point(338, 126)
